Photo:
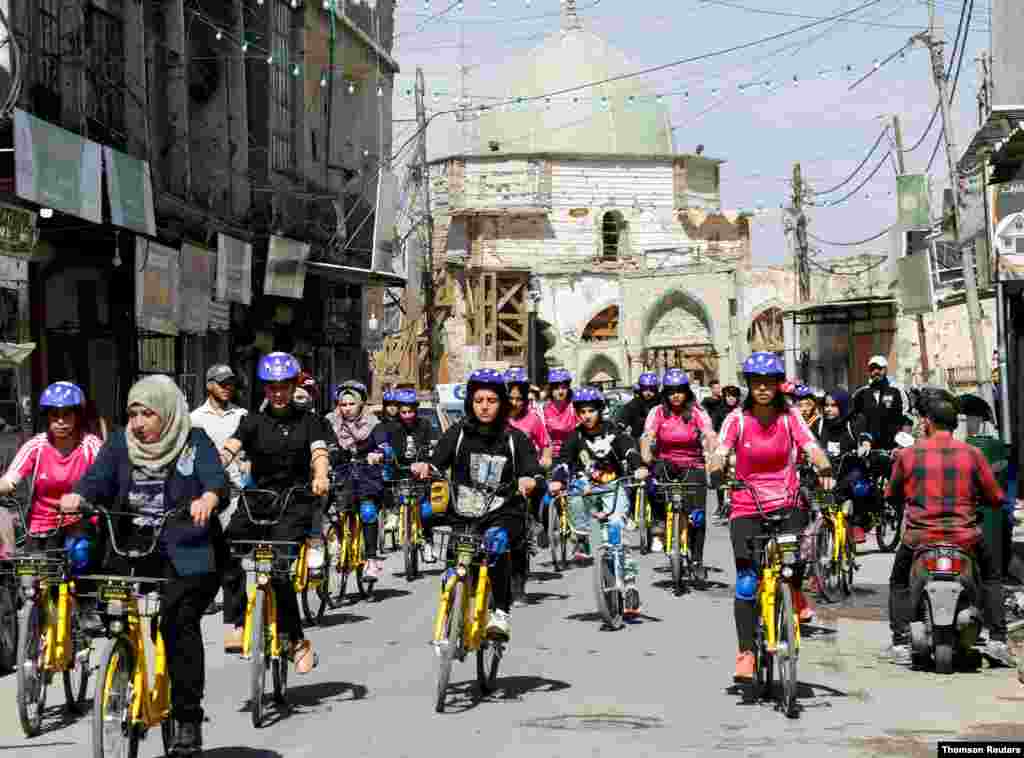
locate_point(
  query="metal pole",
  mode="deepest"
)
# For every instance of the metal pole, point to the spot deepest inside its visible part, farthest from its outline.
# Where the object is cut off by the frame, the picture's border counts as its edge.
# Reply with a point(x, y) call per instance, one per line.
point(933, 38)
point(800, 231)
point(428, 221)
point(922, 336)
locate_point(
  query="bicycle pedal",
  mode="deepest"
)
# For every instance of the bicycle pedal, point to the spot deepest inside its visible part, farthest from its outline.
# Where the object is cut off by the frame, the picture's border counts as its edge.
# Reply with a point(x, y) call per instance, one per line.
point(439, 646)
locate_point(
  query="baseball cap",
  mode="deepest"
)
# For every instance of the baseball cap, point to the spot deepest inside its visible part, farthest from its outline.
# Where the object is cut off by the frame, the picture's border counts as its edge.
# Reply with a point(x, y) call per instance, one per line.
point(219, 373)
point(878, 360)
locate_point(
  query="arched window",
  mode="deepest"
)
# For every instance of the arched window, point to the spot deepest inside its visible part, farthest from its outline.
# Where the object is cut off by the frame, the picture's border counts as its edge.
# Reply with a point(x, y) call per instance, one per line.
point(611, 235)
point(767, 332)
point(604, 327)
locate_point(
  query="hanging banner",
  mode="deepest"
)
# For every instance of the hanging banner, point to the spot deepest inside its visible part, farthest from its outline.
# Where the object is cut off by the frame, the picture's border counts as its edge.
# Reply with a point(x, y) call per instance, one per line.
point(220, 316)
point(912, 197)
point(286, 268)
point(196, 280)
point(18, 232)
point(130, 189)
point(157, 283)
point(56, 168)
point(234, 270)
point(384, 223)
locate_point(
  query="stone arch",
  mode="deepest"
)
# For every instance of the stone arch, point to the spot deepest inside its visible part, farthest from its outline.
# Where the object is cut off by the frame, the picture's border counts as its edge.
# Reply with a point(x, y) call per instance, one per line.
point(678, 299)
point(600, 363)
point(766, 330)
point(603, 326)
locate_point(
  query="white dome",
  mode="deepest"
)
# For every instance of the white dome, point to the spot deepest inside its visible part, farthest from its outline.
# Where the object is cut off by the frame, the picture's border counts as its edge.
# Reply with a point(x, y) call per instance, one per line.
point(617, 118)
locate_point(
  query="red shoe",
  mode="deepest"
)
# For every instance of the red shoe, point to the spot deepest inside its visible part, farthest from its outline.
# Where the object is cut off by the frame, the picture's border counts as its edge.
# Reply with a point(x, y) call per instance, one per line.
point(803, 607)
point(859, 536)
point(744, 668)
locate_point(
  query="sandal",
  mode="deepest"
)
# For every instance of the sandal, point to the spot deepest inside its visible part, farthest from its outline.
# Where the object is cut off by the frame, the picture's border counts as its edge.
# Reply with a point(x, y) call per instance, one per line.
point(301, 653)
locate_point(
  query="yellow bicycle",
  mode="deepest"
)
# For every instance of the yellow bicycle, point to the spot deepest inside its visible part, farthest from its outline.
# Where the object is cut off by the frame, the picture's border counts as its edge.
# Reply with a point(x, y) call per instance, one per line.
point(834, 560)
point(777, 635)
point(129, 701)
point(464, 608)
point(264, 560)
point(410, 526)
point(560, 531)
point(50, 637)
point(680, 501)
point(642, 518)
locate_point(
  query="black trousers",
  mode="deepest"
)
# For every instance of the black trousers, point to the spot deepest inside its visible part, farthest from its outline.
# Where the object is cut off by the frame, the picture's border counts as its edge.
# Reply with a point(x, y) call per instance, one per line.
point(511, 519)
point(658, 506)
point(901, 607)
point(182, 605)
point(741, 530)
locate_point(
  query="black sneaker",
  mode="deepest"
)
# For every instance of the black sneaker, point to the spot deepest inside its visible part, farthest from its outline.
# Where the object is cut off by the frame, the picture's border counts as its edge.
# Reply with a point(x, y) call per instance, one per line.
point(188, 739)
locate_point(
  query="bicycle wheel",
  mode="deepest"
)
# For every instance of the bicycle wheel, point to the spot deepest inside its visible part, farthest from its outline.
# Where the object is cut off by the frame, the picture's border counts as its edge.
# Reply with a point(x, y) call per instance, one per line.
point(315, 600)
point(787, 649)
point(608, 596)
point(8, 630)
point(365, 584)
point(825, 569)
point(410, 551)
point(555, 535)
point(258, 660)
point(761, 684)
point(676, 555)
point(887, 531)
point(113, 734)
point(488, 660)
point(452, 644)
point(168, 733)
point(846, 568)
point(76, 679)
point(279, 669)
point(32, 679)
point(642, 525)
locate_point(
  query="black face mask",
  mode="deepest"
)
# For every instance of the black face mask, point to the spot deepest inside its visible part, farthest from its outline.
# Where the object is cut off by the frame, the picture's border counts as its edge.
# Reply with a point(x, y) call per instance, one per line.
point(879, 380)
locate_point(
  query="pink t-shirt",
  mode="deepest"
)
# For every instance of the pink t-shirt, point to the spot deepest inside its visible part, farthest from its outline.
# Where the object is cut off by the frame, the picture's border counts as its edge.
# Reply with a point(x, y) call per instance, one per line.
point(679, 441)
point(560, 424)
point(765, 459)
point(55, 476)
point(532, 425)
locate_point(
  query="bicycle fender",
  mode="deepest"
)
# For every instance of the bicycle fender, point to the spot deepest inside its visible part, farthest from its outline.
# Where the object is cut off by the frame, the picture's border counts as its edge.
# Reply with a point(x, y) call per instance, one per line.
point(943, 597)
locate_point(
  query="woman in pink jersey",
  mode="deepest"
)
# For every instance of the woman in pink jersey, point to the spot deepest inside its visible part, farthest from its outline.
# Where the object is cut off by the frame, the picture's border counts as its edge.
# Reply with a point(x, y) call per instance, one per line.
point(766, 435)
point(53, 462)
point(559, 414)
point(681, 435)
point(524, 417)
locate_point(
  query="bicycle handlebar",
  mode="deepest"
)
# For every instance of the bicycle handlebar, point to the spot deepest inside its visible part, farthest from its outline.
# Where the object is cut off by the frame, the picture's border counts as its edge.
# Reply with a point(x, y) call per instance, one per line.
point(281, 501)
point(87, 508)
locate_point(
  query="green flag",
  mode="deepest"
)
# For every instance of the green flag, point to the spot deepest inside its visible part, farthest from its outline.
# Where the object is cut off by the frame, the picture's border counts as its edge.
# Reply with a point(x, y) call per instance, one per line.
point(912, 194)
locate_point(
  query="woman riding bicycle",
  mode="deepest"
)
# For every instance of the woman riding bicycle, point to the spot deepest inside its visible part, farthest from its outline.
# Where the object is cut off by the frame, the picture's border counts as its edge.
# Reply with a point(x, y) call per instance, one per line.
point(559, 414)
point(162, 462)
point(766, 436)
point(389, 406)
point(53, 462)
point(682, 433)
point(408, 436)
point(287, 447)
point(484, 454)
point(598, 454)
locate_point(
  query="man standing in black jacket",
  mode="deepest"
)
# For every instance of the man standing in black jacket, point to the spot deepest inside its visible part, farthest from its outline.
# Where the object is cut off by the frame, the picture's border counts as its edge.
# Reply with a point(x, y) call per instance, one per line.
point(715, 405)
point(633, 415)
point(881, 405)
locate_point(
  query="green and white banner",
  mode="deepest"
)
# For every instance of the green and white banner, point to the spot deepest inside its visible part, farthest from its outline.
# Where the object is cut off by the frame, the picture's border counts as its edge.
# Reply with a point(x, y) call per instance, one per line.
point(130, 187)
point(912, 196)
point(56, 168)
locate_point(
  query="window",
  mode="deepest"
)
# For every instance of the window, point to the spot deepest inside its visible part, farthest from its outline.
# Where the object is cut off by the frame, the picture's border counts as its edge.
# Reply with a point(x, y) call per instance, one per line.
point(105, 77)
point(611, 234)
point(46, 97)
point(282, 144)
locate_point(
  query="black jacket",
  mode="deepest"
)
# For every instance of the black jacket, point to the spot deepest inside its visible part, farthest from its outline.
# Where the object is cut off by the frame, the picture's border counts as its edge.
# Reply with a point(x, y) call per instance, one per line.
point(881, 407)
point(634, 414)
point(410, 444)
point(839, 436)
point(717, 410)
point(605, 450)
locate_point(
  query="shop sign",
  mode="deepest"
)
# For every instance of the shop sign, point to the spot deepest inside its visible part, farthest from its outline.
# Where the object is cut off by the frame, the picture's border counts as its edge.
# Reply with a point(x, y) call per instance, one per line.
point(286, 268)
point(157, 284)
point(130, 189)
point(234, 270)
point(18, 232)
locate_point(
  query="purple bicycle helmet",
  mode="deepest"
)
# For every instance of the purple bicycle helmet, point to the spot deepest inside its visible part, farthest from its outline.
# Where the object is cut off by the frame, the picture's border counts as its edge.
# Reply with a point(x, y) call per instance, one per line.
point(353, 386)
point(389, 397)
point(675, 377)
point(802, 390)
point(516, 376)
point(278, 367)
point(62, 395)
point(588, 396)
point(559, 376)
point(648, 380)
point(406, 397)
point(764, 364)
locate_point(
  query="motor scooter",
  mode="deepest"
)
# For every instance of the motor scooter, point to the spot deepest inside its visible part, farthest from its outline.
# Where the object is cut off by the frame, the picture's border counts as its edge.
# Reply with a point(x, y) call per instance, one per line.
point(945, 595)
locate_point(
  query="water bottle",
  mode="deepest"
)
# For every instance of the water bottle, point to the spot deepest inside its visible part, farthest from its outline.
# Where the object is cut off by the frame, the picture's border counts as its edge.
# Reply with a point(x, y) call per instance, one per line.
point(389, 467)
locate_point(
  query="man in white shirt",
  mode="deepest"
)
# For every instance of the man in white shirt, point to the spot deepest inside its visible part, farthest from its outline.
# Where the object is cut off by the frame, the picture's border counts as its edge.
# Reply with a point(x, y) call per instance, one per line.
point(219, 418)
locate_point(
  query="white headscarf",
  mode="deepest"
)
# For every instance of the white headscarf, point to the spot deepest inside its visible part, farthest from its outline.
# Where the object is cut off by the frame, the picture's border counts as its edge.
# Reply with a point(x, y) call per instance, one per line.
point(161, 395)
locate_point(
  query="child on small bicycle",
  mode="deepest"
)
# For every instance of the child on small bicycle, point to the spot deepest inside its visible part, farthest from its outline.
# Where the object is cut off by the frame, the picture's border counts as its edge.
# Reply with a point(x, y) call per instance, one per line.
point(593, 456)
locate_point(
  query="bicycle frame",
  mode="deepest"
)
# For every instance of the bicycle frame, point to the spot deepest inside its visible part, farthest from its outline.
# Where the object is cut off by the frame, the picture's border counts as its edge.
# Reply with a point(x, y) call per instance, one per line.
point(475, 613)
point(405, 489)
point(638, 501)
point(259, 567)
point(351, 552)
point(40, 578)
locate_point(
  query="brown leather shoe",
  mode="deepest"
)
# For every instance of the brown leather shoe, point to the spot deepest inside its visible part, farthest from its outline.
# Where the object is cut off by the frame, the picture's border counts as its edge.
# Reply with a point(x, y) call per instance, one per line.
point(233, 639)
point(304, 657)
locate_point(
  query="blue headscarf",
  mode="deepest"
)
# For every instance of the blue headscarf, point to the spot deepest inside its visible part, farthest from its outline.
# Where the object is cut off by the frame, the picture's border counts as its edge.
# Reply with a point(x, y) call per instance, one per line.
point(842, 398)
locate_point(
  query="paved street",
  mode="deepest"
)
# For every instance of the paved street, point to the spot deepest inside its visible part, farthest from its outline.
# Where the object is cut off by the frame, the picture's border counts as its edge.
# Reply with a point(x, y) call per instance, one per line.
point(658, 687)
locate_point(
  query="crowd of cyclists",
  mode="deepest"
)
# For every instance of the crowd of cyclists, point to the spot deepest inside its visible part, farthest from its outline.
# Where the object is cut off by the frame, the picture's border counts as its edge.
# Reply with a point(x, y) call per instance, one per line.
point(510, 441)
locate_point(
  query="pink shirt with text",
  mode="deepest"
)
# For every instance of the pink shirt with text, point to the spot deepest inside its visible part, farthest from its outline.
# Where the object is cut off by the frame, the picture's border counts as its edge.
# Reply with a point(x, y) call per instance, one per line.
point(532, 425)
point(560, 424)
point(765, 459)
point(678, 440)
point(55, 476)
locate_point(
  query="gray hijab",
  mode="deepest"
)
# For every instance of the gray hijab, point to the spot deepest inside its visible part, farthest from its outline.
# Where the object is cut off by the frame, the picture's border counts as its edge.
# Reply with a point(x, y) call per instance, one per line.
point(161, 395)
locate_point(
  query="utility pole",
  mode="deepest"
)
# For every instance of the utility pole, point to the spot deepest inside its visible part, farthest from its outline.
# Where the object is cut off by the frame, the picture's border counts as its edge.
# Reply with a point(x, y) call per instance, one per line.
point(922, 336)
point(933, 39)
point(423, 177)
point(803, 271)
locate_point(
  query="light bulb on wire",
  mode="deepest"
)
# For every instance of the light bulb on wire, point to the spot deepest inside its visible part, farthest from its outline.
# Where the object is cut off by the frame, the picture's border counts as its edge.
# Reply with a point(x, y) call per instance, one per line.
point(295, 4)
point(270, 60)
point(323, 79)
point(219, 35)
point(295, 69)
point(351, 88)
point(380, 91)
point(245, 46)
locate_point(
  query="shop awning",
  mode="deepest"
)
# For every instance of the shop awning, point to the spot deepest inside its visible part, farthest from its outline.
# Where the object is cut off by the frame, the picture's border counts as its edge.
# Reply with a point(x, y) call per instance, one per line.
point(1001, 123)
point(352, 275)
point(843, 311)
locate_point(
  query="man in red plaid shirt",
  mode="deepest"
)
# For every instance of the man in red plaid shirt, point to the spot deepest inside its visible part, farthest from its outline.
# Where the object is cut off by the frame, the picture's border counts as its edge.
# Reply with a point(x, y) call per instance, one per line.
point(942, 483)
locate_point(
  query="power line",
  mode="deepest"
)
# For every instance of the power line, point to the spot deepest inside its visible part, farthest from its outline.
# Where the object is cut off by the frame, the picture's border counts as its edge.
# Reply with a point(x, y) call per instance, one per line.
point(788, 14)
point(931, 124)
point(860, 186)
point(852, 244)
point(963, 49)
point(861, 165)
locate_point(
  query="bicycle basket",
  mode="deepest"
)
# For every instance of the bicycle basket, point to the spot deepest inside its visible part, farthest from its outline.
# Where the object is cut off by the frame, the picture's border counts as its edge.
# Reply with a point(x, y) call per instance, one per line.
point(472, 503)
point(440, 497)
point(789, 547)
point(263, 505)
point(679, 495)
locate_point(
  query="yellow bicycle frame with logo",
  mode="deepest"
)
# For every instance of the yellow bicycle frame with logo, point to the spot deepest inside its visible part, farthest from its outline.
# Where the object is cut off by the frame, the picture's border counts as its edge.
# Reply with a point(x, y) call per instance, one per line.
point(638, 501)
point(475, 614)
point(151, 701)
point(416, 538)
point(770, 577)
point(301, 579)
point(351, 554)
point(59, 645)
point(263, 585)
point(684, 532)
point(838, 516)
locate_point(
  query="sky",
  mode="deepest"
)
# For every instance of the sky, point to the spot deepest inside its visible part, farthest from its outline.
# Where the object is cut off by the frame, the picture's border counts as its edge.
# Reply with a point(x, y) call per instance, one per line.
point(759, 109)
